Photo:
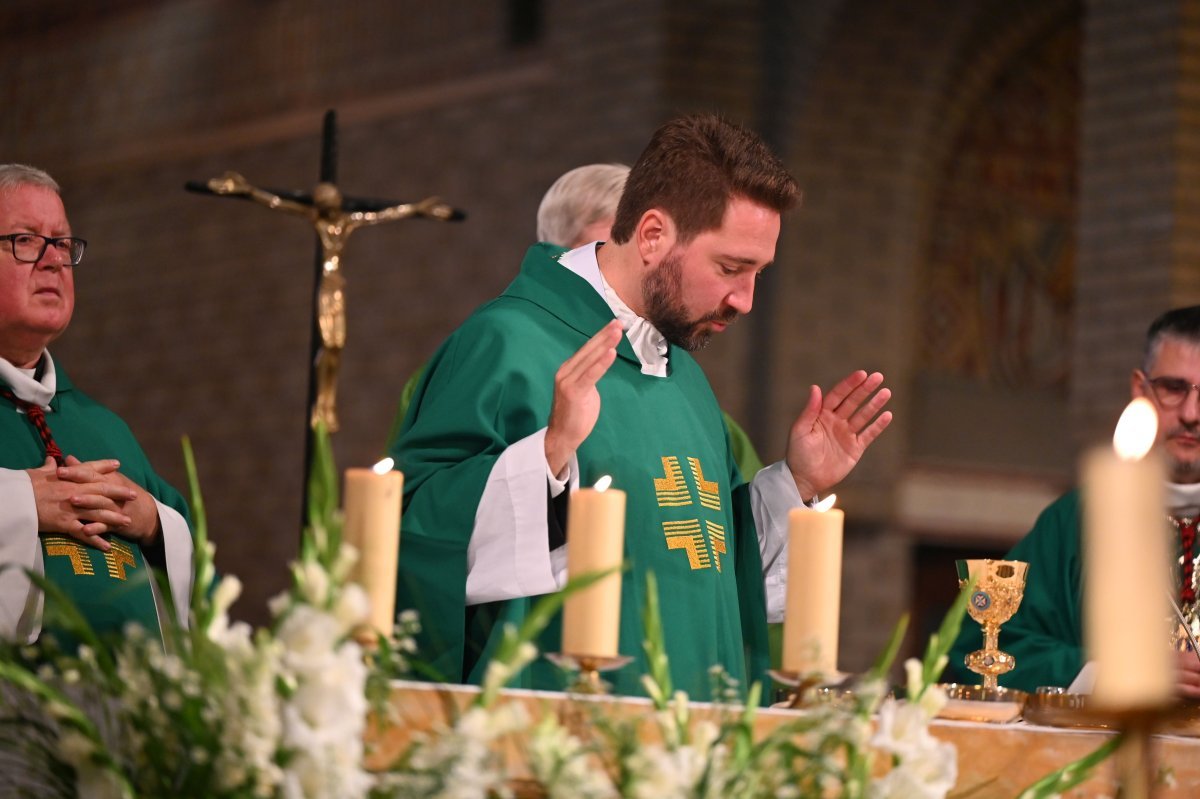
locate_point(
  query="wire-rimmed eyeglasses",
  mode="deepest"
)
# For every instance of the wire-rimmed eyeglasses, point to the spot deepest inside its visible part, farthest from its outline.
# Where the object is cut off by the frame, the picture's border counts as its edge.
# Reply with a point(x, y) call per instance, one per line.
point(30, 247)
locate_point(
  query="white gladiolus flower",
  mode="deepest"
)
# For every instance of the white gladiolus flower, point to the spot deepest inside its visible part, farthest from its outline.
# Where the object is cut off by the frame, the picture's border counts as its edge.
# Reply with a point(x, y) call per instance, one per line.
point(313, 583)
point(558, 760)
point(913, 676)
point(225, 594)
point(346, 558)
point(927, 767)
point(352, 607)
point(933, 700)
point(279, 603)
point(309, 632)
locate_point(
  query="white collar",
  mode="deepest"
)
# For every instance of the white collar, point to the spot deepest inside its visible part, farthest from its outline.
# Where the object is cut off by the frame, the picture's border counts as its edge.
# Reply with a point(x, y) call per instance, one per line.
point(26, 386)
point(649, 345)
point(1183, 498)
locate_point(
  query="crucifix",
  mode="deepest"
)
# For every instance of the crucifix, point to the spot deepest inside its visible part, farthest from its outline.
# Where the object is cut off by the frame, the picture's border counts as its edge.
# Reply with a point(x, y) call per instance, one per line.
point(334, 217)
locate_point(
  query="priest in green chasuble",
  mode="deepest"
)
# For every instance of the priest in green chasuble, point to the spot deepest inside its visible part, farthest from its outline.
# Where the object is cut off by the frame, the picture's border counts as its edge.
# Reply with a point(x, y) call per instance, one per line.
point(79, 502)
point(582, 369)
point(1046, 633)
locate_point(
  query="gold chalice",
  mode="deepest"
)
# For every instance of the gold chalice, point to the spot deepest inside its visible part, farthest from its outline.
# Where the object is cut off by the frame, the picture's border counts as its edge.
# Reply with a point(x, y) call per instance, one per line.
point(999, 586)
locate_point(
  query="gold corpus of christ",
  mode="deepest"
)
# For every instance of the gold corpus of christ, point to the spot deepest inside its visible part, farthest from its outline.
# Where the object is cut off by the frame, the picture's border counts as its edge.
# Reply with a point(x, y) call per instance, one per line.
point(333, 224)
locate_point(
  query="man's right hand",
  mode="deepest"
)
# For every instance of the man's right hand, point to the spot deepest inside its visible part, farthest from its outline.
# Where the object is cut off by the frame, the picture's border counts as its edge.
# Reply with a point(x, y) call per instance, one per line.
point(576, 400)
point(84, 511)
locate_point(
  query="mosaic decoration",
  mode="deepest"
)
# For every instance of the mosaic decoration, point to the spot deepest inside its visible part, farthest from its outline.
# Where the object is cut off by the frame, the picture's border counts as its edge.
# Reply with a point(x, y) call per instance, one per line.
point(999, 266)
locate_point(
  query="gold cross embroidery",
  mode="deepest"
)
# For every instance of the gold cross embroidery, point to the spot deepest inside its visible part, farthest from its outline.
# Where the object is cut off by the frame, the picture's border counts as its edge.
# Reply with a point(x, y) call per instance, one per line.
point(716, 540)
point(686, 535)
point(117, 559)
point(710, 496)
point(81, 561)
point(671, 489)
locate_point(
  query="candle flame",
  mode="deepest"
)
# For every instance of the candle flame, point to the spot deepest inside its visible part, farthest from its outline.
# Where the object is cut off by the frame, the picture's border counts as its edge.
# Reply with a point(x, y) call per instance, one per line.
point(603, 483)
point(384, 466)
point(1136, 430)
point(826, 503)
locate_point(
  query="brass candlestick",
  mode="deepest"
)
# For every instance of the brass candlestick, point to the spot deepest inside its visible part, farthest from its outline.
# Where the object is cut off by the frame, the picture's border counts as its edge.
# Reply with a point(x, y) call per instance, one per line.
point(806, 690)
point(589, 668)
point(999, 587)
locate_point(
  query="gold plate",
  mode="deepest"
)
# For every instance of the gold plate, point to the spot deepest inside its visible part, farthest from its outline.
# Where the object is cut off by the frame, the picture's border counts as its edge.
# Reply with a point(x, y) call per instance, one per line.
point(1184, 720)
point(976, 703)
point(1054, 707)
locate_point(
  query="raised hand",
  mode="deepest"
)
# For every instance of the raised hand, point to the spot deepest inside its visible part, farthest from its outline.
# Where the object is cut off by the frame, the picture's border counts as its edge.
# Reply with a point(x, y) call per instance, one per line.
point(576, 400)
point(831, 434)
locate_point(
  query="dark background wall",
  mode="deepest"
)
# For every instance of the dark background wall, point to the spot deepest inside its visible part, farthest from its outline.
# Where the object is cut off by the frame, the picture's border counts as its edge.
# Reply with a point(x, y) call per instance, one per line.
point(998, 198)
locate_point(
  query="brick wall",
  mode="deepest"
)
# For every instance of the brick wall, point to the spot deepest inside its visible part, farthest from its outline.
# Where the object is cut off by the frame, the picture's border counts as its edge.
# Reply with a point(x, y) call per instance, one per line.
point(194, 311)
point(1138, 221)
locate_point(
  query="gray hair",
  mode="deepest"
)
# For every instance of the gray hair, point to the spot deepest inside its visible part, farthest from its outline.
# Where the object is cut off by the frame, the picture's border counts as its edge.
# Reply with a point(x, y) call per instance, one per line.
point(581, 197)
point(1182, 324)
point(14, 175)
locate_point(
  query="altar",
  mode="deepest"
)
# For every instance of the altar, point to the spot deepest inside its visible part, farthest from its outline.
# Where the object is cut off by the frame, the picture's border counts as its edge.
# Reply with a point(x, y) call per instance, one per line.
point(995, 761)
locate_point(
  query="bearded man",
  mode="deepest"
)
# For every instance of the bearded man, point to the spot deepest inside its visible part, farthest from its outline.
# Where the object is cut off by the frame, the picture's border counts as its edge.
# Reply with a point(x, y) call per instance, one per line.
point(582, 369)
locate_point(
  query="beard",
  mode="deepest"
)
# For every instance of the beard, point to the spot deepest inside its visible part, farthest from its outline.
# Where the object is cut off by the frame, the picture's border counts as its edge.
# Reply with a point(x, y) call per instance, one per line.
point(662, 293)
point(1183, 471)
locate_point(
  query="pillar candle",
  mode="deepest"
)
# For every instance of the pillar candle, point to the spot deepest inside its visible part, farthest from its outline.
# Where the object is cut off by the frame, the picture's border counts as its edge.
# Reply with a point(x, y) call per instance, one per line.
point(814, 587)
point(372, 526)
point(1126, 566)
point(595, 542)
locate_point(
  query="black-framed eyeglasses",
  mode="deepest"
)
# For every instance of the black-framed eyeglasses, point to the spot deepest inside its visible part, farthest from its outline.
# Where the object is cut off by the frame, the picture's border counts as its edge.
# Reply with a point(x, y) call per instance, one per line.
point(1171, 391)
point(30, 247)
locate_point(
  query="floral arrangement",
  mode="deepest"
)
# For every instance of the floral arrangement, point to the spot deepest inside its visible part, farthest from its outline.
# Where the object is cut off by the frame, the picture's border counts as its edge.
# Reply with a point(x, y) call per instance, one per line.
point(221, 710)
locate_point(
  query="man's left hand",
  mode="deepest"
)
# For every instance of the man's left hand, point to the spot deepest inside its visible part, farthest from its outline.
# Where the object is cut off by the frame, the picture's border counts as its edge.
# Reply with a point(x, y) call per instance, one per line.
point(833, 432)
point(141, 509)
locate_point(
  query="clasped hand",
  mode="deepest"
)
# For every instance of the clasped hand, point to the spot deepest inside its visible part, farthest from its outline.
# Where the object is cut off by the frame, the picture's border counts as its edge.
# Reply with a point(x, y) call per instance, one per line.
point(87, 500)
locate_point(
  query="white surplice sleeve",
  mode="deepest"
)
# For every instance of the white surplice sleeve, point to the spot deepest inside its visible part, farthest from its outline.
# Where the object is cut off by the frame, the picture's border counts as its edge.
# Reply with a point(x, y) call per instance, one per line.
point(773, 494)
point(177, 548)
point(20, 602)
point(508, 555)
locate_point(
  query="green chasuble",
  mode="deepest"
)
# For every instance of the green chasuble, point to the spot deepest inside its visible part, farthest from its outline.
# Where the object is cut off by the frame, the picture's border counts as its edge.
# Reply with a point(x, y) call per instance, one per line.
point(109, 588)
point(1045, 635)
point(663, 442)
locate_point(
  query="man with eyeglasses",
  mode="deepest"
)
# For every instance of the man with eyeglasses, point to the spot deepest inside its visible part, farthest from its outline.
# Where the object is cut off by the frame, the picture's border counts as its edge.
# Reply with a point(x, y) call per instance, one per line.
point(1046, 634)
point(79, 502)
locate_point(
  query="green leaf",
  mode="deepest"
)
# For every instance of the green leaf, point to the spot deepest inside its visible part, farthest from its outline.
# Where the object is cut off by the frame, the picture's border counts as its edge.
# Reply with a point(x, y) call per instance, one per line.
point(658, 681)
point(888, 656)
point(74, 622)
point(1058, 782)
point(323, 518)
point(203, 570)
point(535, 621)
point(940, 642)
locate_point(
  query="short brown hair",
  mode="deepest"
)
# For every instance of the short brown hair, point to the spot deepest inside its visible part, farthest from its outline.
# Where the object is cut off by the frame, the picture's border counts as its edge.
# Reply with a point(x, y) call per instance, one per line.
point(691, 168)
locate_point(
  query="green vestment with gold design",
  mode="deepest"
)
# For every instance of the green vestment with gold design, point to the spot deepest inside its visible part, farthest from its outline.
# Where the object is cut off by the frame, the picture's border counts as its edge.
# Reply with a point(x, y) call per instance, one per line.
point(109, 588)
point(662, 440)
